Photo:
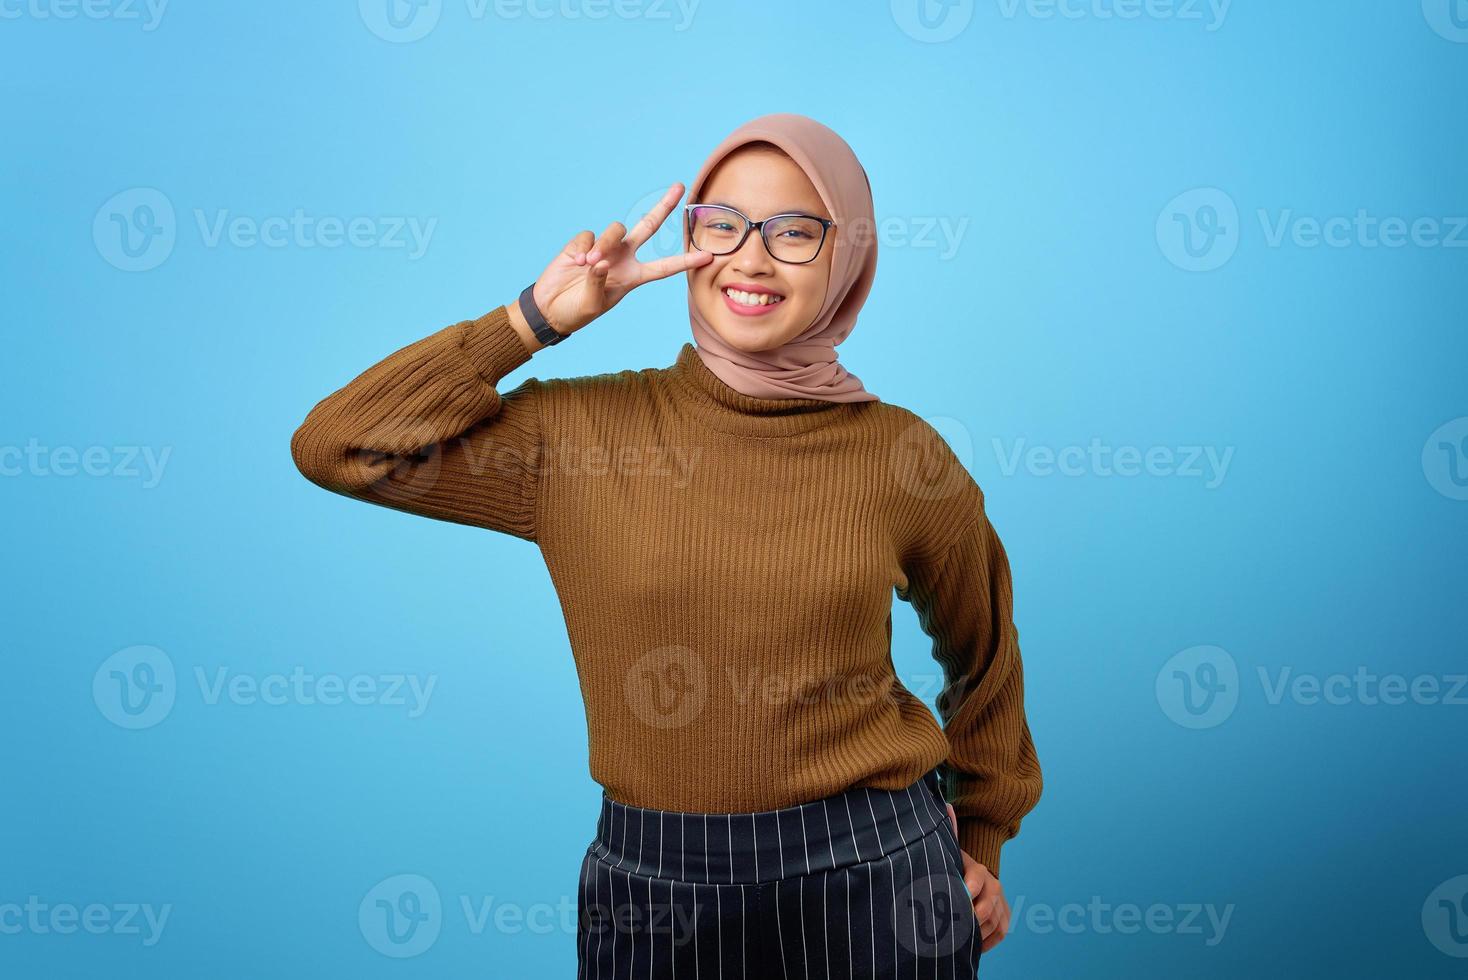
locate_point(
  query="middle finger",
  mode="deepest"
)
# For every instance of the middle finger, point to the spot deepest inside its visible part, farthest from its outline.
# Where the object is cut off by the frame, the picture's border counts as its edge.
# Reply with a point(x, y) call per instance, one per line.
point(608, 240)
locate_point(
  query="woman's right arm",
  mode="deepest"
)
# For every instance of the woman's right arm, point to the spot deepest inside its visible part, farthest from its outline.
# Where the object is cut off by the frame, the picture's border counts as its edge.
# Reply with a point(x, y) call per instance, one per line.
point(426, 430)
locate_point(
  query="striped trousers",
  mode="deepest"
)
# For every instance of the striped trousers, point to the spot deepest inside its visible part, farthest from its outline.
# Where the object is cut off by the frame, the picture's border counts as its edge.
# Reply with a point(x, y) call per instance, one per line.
point(865, 883)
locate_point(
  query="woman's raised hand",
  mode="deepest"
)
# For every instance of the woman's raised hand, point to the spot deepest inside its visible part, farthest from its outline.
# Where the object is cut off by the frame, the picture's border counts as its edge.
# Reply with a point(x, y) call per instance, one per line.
point(591, 275)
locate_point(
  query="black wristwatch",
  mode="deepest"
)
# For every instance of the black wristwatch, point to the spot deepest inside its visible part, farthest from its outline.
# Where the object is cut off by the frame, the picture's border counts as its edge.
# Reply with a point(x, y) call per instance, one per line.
point(543, 331)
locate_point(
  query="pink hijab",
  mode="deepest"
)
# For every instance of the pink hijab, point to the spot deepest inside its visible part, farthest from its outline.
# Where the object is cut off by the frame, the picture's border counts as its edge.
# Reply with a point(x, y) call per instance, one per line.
point(805, 366)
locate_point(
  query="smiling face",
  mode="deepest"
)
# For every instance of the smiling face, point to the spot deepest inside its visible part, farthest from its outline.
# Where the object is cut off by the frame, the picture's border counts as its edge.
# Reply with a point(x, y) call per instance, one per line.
point(759, 180)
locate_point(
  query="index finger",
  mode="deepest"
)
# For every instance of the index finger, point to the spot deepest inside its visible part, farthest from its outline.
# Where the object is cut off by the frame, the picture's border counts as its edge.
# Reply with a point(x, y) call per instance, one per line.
point(662, 268)
point(650, 222)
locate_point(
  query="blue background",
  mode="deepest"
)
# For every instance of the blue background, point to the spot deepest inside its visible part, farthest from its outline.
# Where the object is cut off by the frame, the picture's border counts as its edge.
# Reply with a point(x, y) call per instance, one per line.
point(1066, 313)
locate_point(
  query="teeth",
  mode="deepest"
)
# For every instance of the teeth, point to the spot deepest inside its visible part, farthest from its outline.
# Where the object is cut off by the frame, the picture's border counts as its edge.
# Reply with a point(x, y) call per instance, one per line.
point(752, 299)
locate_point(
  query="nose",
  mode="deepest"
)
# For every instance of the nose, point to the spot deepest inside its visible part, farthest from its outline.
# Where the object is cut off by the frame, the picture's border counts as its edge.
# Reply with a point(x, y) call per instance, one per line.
point(752, 258)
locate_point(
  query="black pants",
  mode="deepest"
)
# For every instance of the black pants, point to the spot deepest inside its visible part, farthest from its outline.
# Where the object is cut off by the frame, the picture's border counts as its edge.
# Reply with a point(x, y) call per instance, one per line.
point(865, 883)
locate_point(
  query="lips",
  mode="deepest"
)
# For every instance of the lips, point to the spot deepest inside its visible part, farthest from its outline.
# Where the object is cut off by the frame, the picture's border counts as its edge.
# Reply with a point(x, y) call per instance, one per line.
point(751, 301)
point(750, 294)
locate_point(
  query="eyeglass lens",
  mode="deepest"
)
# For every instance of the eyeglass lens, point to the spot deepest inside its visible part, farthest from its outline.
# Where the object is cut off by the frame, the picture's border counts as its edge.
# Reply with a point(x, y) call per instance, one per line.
point(790, 238)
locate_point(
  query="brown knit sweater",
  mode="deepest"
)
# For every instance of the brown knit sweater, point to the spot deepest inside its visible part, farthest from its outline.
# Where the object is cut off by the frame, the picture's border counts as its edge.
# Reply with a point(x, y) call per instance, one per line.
point(725, 564)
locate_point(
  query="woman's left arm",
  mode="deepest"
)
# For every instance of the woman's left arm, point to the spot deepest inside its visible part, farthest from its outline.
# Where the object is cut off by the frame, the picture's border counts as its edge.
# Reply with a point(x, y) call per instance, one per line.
point(964, 602)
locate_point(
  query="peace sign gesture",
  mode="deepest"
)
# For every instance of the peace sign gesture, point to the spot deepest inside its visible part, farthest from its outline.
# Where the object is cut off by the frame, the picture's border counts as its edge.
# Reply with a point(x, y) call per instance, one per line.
point(591, 276)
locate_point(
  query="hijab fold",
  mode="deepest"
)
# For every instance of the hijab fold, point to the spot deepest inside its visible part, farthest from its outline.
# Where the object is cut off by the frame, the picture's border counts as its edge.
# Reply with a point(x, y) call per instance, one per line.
point(806, 365)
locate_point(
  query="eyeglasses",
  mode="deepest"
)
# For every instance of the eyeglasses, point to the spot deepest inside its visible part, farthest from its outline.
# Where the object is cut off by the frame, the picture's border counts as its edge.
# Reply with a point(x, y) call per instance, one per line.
point(792, 238)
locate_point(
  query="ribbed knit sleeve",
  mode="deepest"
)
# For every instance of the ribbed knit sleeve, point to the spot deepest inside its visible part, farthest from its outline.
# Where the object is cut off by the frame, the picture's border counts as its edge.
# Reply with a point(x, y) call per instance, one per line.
point(963, 601)
point(426, 431)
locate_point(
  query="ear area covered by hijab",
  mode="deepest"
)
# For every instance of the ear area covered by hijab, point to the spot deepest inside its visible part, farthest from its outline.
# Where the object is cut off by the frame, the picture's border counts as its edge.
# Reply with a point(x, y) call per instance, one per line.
point(806, 366)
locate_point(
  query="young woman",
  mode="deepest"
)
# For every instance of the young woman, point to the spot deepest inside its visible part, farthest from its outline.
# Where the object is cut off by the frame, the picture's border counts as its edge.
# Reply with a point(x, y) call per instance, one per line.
point(725, 534)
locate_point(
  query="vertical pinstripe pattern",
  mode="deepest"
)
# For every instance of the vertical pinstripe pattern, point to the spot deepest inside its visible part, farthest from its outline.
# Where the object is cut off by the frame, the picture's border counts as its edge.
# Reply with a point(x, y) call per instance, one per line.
point(902, 911)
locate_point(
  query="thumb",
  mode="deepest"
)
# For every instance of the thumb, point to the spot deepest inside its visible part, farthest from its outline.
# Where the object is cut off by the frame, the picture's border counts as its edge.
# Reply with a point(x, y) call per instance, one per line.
point(952, 818)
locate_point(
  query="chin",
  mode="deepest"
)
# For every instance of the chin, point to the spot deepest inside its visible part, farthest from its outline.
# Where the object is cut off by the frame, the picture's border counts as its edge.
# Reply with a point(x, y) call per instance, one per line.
point(749, 337)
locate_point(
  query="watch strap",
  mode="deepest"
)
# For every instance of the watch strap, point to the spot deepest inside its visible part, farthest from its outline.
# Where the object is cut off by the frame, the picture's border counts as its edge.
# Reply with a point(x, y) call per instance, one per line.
point(543, 331)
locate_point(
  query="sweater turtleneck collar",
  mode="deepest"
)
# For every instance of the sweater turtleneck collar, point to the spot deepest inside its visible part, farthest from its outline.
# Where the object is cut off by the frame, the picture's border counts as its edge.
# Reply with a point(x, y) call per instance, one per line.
point(709, 398)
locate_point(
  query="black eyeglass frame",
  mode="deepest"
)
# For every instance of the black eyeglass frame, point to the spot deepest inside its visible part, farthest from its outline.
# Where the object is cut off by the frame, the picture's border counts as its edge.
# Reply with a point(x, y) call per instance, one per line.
point(750, 225)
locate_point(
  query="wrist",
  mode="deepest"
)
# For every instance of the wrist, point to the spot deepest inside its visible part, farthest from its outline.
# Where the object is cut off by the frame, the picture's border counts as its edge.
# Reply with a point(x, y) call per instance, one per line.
point(532, 309)
point(522, 326)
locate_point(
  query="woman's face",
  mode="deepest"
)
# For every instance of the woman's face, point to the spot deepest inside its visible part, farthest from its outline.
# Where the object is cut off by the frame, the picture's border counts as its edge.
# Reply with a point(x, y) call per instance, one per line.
point(759, 182)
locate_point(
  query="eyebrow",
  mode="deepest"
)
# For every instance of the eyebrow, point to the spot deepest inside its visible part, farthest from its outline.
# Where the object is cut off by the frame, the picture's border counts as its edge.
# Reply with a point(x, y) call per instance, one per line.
point(726, 204)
